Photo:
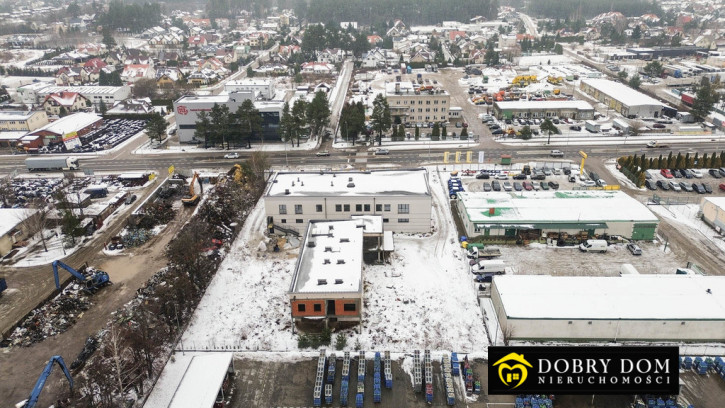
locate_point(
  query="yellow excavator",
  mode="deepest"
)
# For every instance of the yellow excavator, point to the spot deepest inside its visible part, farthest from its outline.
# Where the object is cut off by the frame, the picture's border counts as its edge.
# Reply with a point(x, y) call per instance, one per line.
point(193, 198)
point(239, 175)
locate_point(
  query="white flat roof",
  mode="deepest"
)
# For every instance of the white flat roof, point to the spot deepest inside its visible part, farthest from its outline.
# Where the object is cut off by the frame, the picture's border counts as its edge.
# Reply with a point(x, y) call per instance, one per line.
point(643, 297)
point(717, 201)
point(371, 224)
point(579, 206)
point(70, 123)
point(540, 105)
point(192, 381)
point(372, 183)
point(621, 92)
point(17, 115)
point(334, 241)
point(85, 90)
point(12, 134)
point(11, 217)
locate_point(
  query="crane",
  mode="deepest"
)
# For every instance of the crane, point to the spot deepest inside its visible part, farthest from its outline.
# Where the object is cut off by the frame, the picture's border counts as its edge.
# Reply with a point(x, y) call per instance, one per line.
point(193, 198)
point(97, 280)
point(35, 394)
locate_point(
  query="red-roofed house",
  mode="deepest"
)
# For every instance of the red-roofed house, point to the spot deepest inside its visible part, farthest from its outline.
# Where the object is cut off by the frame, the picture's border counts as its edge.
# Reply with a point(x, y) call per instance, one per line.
point(134, 72)
point(374, 39)
point(70, 101)
point(521, 37)
point(196, 41)
point(68, 76)
point(456, 35)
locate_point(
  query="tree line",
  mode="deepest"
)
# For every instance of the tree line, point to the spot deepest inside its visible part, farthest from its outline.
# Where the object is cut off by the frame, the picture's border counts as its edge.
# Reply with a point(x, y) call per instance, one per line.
point(304, 118)
point(135, 17)
point(634, 167)
point(586, 9)
point(372, 12)
point(317, 37)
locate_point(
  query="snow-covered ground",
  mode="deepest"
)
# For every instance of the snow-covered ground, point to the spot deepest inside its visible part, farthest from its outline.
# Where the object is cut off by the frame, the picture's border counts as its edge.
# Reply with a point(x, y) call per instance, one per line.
point(39, 256)
point(688, 216)
point(422, 299)
point(149, 148)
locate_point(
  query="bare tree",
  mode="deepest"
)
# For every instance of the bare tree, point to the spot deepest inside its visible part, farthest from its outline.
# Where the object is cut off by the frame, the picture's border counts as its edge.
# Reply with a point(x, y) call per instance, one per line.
point(123, 367)
point(6, 191)
point(507, 332)
point(36, 219)
point(635, 126)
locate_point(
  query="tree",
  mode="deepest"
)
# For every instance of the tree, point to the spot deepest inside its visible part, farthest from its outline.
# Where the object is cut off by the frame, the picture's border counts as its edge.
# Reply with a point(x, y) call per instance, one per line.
point(705, 98)
point(202, 129)
point(156, 127)
point(464, 133)
point(680, 161)
point(559, 49)
point(221, 125)
point(111, 79)
point(622, 75)
point(352, 120)
point(417, 132)
point(635, 82)
point(250, 72)
point(249, 121)
point(108, 39)
point(636, 33)
point(444, 132)
point(299, 118)
point(705, 162)
point(144, 88)
point(676, 40)
point(73, 9)
point(491, 57)
point(549, 127)
point(102, 108)
point(654, 69)
point(525, 132)
point(380, 117)
point(715, 162)
point(318, 112)
point(436, 132)
point(36, 219)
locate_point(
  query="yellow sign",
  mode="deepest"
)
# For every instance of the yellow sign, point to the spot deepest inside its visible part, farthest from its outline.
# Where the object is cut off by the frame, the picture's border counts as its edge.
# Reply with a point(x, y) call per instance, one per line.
point(458, 157)
point(152, 176)
point(468, 156)
point(582, 154)
point(171, 169)
point(445, 157)
point(516, 373)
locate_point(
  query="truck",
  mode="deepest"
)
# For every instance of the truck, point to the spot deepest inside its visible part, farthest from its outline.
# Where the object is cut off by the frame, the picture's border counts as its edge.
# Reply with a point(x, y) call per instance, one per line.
point(488, 266)
point(51, 163)
point(593, 245)
point(655, 144)
point(592, 126)
point(475, 252)
point(621, 125)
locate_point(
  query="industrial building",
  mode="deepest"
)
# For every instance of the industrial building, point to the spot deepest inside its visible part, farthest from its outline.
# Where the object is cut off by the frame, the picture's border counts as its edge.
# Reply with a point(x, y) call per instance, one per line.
point(536, 213)
point(74, 125)
point(187, 108)
point(14, 227)
point(33, 94)
point(624, 308)
point(401, 197)
point(262, 88)
point(22, 120)
point(621, 98)
point(579, 110)
point(412, 103)
point(327, 281)
point(713, 212)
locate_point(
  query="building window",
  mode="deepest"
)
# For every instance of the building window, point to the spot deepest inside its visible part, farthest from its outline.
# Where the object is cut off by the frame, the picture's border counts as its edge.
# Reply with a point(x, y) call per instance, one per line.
point(317, 307)
point(443, 102)
point(283, 209)
point(347, 207)
point(300, 308)
point(338, 207)
point(378, 207)
point(318, 207)
point(403, 220)
point(387, 207)
point(420, 110)
point(386, 220)
point(443, 110)
point(366, 207)
point(358, 207)
point(420, 102)
point(298, 208)
point(283, 220)
point(427, 102)
point(427, 109)
point(403, 208)
point(349, 307)
point(299, 221)
point(435, 102)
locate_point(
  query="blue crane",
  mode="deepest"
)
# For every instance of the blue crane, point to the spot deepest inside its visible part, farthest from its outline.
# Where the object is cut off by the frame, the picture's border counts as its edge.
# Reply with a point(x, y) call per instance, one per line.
point(97, 280)
point(33, 399)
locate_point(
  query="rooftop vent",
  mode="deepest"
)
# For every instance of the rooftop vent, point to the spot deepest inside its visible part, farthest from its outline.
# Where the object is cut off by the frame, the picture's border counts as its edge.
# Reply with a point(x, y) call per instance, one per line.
point(331, 227)
point(298, 179)
point(286, 191)
point(311, 244)
point(326, 262)
point(321, 282)
point(328, 249)
point(340, 261)
point(293, 183)
point(332, 184)
point(350, 185)
point(302, 183)
point(344, 239)
point(338, 281)
point(349, 179)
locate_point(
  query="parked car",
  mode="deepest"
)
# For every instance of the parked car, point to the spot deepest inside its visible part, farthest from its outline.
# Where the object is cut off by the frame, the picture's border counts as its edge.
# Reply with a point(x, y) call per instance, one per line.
point(496, 185)
point(651, 185)
point(721, 186)
point(588, 183)
point(507, 186)
point(528, 186)
point(721, 171)
point(544, 186)
point(664, 185)
point(382, 152)
point(676, 173)
point(538, 176)
point(130, 199)
point(486, 186)
point(520, 176)
point(697, 173)
point(575, 127)
point(482, 176)
point(715, 173)
point(554, 185)
point(707, 188)
point(675, 186)
point(698, 188)
point(322, 153)
point(517, 186)
point(686, 186)
point(659, 126)
point(666, 173)
point(497, 132)
point(546, 171)
point(686, 173)
point(501, 176)
point(233, 155)
point(634, 249)
point(601, 183)
point(572, 178)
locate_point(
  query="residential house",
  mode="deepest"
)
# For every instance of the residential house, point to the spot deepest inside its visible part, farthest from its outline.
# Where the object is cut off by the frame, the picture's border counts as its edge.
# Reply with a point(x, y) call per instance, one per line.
point(197, 41)
point(167, 77)
point(56, 103)
point(70, 76)
point(374, 40)
point(168, 58)
point(134, 72)
point(331, 55)
point(91, 49)
point(423, 56)
point(317, 68)
point(132, 106)
point(398, 29)
point(455, 35)
point(15, 226)
point(373, 59)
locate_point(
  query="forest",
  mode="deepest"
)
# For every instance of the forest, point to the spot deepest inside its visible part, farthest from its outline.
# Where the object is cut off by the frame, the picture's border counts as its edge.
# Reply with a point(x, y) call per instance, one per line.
point(134, 17)
point(575, 9)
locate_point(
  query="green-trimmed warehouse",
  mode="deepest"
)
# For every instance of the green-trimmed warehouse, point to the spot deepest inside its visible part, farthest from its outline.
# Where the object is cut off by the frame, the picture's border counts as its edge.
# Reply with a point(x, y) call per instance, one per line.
point(532, 213)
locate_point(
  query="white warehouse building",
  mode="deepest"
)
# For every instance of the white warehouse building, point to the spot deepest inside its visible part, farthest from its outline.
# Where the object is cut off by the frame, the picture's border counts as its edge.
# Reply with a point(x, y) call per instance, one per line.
point(402, 197)
point(621, 98)
point(689, 308)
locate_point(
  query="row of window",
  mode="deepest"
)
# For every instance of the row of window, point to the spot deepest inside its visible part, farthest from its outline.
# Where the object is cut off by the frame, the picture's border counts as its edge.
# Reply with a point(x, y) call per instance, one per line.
point(348, 307)
point(402, 208)
point(412, 110)
point(420, 102)
point(385, 220)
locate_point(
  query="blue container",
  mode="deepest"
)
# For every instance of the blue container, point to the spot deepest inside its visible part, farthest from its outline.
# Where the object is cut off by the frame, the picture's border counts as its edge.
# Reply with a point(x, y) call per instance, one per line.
point(317, 402)
point(359, 401)
point(376, 396)
point(687, 362)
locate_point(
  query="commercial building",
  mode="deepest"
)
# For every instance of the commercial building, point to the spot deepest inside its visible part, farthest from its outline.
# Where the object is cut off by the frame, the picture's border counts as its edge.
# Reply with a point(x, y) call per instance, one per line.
point(621, 98)
point(401, 197)
point(579, 110)
point(262, 88)
point(187, 108)
point(624, 308)
point(22, 120)
point(713, 212)
point(414, 103)
point(75, 125)
point(327, 282)
point(536, 213)
point(35, 93)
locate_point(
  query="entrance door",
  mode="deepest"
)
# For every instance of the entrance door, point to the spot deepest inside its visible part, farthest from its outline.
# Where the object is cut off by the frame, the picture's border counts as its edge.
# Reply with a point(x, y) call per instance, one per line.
point(331, 308)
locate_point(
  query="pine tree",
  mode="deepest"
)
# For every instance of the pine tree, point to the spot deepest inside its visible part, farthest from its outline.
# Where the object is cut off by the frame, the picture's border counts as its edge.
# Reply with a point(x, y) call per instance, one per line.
point(679, 162)
point(417, 132)
point(655, 163)
point(670, 161)
point(705, 161)
point(716, 163)
point(697, 162)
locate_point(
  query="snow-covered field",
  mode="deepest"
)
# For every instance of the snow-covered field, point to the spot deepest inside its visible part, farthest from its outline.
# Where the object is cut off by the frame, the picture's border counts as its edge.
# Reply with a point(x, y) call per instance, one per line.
point(688, 216)
point(422, 299)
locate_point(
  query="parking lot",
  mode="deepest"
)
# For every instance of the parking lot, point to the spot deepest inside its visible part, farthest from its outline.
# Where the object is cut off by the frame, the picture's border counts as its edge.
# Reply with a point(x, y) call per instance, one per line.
point(111, 134)
point(690, 183)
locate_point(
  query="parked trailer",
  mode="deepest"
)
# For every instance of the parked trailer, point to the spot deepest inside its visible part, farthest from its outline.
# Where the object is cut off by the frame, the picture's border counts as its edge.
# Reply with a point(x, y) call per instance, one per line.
point(592, 126)
point(621, 125)
point(51, 163)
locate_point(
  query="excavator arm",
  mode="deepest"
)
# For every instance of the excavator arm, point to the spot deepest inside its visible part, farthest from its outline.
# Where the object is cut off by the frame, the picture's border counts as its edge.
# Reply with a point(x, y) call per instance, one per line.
point(35, 394)
point(72, 271)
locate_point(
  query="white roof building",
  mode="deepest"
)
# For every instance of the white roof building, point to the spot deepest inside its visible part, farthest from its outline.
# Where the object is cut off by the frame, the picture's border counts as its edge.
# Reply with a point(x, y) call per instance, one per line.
point(75, 122)
point(622, 98)
point(636, 307)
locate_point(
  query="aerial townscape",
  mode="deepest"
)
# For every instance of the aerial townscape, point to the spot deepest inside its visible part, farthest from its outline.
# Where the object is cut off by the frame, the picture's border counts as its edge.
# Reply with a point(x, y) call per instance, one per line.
point(329, 203)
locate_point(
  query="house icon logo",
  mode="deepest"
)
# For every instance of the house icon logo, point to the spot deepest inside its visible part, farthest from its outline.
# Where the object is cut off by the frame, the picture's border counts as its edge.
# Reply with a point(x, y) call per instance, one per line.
point(514, 373)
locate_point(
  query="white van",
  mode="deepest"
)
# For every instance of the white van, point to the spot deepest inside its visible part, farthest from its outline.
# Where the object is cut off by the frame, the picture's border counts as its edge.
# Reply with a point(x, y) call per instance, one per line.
point(593, 245)
point(489, 266)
